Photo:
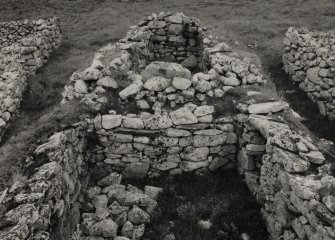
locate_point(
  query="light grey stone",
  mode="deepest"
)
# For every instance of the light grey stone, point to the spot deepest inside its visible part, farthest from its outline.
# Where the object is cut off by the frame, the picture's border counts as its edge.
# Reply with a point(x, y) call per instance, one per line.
point(173, 132)
point(165, 69)
point(111, 121)
point(195, 154)
point(90, 74)
point(107, 82)
point(187, 166)
point(80, 87)
point(181, 83)
point(135, 123)
point(105, 228)
point(265, 108)
point(182, 116)
point(137, 216)
point(203, 110)
point(157, 84)
point(158, 122)
point(153, 192)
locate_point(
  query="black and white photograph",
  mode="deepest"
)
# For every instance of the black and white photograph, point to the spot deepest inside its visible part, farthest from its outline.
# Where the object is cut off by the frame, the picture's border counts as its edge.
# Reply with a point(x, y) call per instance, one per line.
point(167, 119)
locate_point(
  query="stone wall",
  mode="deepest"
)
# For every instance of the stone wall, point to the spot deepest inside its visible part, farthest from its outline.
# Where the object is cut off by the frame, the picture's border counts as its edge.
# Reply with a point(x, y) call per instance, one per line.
point(24, 47)
point(171, 37)
point(187, 139)
point(290, 177)
point(66, 190)
point(176, 127)
point(309, 57)
point(47, 202)
point(133, 60)
point(30, 42)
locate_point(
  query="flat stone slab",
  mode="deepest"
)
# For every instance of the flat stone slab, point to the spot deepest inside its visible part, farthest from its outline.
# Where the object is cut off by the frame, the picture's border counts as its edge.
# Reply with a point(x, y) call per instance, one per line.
point(165, 69)
point(265, 108)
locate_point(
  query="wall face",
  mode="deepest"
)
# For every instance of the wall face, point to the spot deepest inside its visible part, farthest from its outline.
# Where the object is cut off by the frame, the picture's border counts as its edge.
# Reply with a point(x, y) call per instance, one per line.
point(309, 57)
point(290, 177)
point(24, 47)
point(174, 131)
point(146, 145)
point(174, 38)
point(30, 42)
point(46, 202)
point(131, 60)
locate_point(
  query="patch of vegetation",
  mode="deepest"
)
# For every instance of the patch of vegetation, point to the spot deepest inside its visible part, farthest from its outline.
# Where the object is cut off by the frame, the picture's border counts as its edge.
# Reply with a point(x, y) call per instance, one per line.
point(221, 198)
point(23, 142)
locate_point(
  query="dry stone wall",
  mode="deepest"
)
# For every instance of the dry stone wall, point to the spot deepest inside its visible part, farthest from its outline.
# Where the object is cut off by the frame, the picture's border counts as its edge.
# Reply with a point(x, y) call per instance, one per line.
point(290, 177)
point(187, 139)
point(175, 129)
point(24, 47)
point(134, 59)
point(61, 201)
point(46, 201)
point(171, 37)
point(309, 57)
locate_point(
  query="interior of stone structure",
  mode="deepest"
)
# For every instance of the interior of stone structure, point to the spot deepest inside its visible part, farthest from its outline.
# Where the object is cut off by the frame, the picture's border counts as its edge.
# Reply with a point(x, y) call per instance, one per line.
point(176, 42)
point(169, 101)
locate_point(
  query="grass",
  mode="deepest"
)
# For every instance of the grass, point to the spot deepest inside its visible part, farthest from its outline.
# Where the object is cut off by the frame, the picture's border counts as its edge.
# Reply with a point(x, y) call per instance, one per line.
point(24, 140)
point(88, 25)
point(221, 198)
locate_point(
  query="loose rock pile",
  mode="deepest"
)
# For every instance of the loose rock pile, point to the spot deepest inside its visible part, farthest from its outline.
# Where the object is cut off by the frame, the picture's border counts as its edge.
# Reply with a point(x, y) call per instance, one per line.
point(119, 212)
point(130, 60)
point(309, 57)
point(24, 47)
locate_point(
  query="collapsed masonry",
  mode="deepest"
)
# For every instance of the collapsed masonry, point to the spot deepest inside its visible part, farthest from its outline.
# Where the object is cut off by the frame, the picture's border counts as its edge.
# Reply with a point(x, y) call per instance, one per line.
point(175, 129)
point(24, 47)
point(126, 59)
point(309, 57)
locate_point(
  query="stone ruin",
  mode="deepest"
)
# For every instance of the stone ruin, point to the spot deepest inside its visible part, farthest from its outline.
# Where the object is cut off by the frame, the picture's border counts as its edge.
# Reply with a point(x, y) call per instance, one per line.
point(175, 128)
point(309, 57)
point(127, 58)
point(24, 47)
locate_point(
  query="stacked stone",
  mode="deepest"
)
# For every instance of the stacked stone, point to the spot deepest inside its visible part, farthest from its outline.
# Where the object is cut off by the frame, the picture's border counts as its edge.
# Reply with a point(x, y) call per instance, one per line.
point(231, 69)
point(252, 148)
point(171, 84)
point(118, 212)
point(24, 47)
point(290, 176)
point(132, 59)
point(309, 57)
point(12, 85)
point(173, 37)
point(184, 140)
point(90, 85)
point(16, 31)
point(31, 42)
point(32, 208)
point(57, 189)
